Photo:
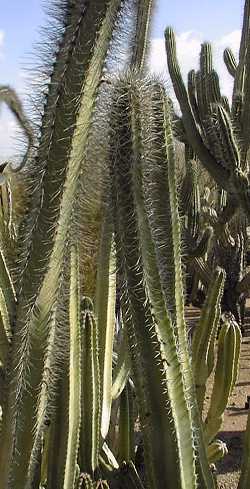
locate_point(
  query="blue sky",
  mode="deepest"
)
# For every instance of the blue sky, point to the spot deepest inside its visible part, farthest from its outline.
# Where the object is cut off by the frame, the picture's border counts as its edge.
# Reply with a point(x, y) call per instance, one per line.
point(211, 17)
point(193, 20)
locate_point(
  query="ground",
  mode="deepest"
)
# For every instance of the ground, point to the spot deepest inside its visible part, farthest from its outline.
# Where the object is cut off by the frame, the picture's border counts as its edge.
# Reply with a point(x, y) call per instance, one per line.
point(235, 417)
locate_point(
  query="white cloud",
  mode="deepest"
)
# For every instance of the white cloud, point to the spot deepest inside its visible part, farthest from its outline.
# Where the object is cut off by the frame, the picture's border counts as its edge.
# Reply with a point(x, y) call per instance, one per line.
point(188, 49)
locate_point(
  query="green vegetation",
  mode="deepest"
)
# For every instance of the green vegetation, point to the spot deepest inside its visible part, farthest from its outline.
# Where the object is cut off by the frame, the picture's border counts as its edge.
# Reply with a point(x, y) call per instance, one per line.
point(98, 258)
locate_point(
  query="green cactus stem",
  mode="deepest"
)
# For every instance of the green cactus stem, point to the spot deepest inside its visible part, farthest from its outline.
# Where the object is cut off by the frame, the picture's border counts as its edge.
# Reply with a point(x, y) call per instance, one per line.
point(226, 372)
point(75, 373)
point(230, 62)
point(90, 435)
point(204, 337)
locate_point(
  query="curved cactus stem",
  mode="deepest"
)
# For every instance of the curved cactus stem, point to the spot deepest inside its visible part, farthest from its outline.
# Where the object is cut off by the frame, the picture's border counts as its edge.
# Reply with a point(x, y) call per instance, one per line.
point(230, 61)
point(205, 335)
point(108, 458)
point(9, 96)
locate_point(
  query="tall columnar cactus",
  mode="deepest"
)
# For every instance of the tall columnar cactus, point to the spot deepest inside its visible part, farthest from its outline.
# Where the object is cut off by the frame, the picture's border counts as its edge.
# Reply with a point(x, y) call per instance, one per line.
point(217, 132)
point(91, 241)
point(152, 337)
point(56, 175)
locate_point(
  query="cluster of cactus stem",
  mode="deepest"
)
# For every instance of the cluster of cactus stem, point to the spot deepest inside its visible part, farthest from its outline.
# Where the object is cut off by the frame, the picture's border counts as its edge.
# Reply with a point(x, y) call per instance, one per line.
point(97, 258)
point(215, 132)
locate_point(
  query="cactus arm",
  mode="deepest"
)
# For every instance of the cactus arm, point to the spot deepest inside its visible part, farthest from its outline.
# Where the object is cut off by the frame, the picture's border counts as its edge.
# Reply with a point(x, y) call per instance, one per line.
point(74, 373)
point(91, 387)
point(202, 269)
point(9, 96)
point(239, 75)
point(202, 246)
point(122, 369)
point(126, 431)
point(245, 117)
point(230, 61)
point(225, 104)
point(206, 67)
point(140, 41)
point(225, 374)
point(205, 335)
point(232, 158)
point(213, 88)
point(7, 309)
point(192, 95)
point(7, 296)
point(193, 134)
point(105, 311)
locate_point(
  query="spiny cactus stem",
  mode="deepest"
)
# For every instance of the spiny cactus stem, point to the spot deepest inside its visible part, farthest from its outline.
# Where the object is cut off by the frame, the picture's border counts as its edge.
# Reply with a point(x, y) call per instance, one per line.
point(230, 62)
point(206, 158)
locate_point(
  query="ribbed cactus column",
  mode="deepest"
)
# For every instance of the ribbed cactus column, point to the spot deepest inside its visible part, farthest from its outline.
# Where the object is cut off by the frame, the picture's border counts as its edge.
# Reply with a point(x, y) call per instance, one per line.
point(216, 134)
point(154, 340)
point(226, 373)
point(203, 341)
point(87, 33)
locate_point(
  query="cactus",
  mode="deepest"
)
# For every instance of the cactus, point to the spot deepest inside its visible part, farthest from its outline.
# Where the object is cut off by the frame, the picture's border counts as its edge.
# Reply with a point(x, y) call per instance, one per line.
point(210, 124)
point(226, 373)
point(55, 177)
point(129, 206)
point(216, 450)
point(90, 244)
point(203, 340)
